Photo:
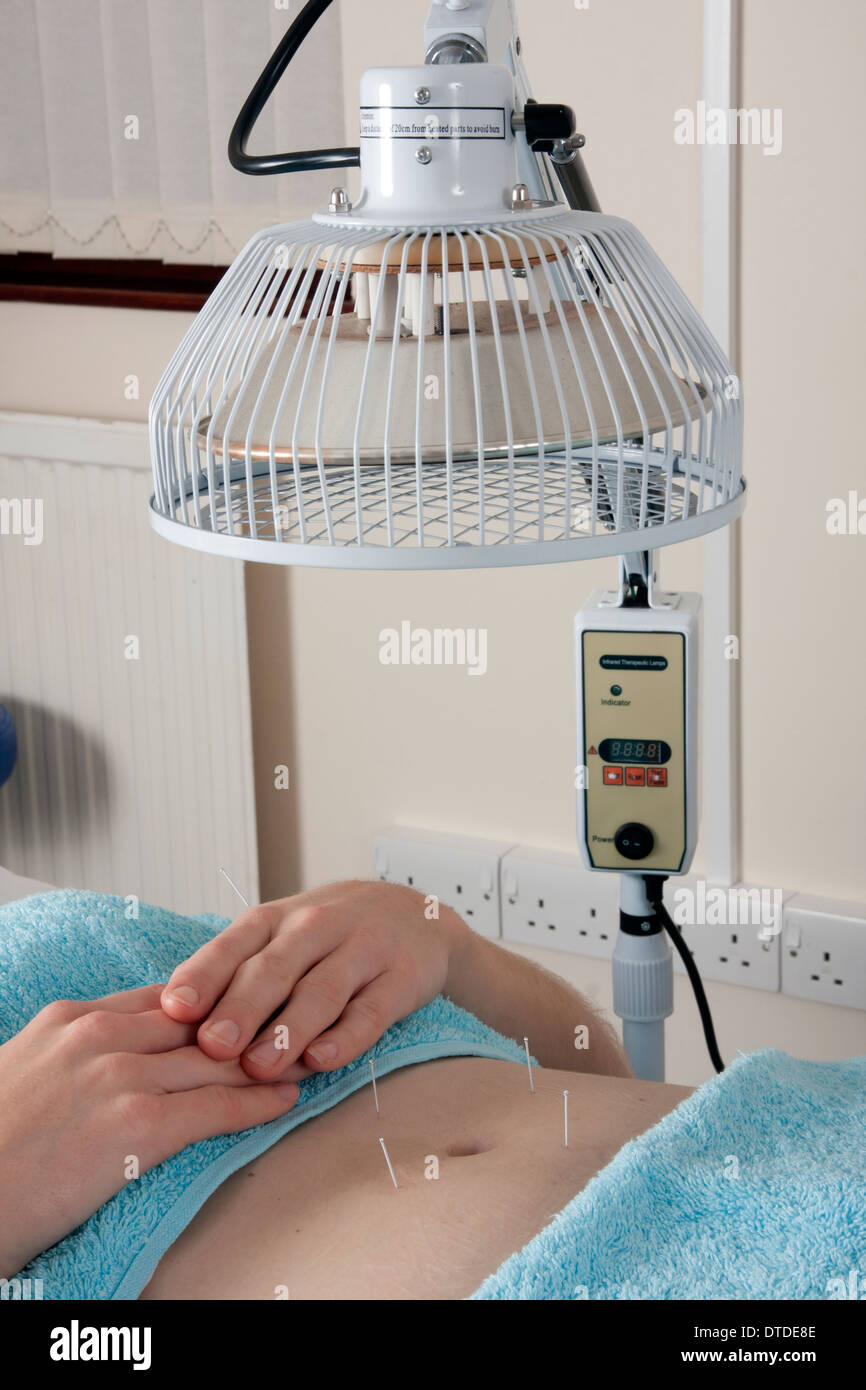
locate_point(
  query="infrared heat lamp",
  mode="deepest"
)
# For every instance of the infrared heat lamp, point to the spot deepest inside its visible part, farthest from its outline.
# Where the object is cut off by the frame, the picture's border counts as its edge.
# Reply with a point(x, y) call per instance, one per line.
point(472, 365)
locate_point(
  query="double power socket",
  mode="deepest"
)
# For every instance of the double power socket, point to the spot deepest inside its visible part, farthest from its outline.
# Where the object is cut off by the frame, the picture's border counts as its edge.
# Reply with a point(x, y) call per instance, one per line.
point(763, 938)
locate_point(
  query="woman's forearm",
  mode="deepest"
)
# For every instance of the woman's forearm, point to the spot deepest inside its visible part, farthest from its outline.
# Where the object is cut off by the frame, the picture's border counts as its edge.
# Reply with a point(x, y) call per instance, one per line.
point(520, 999)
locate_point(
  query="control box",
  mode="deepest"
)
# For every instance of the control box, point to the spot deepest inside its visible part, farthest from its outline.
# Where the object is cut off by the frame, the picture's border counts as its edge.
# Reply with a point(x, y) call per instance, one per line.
point(637, 702)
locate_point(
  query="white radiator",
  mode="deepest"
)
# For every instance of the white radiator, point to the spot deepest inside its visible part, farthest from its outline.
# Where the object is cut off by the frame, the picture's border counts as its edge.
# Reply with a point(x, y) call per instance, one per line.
point(124, 662)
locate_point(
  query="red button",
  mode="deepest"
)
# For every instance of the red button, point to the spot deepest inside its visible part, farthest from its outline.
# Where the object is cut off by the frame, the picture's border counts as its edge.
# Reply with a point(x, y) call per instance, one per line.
point(657, 777)
point(612, 776)
point(635, 776)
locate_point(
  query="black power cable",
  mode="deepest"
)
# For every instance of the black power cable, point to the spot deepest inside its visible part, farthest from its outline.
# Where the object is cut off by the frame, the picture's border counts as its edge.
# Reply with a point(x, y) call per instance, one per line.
point(301, 160)
point(654, 889)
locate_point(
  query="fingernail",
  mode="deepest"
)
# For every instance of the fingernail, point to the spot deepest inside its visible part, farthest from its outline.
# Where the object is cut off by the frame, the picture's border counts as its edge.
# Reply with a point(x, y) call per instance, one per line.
point(287, 1089)
point(225, 1031)
point(323, 1052)
point(184, 994)
point(264, 1053)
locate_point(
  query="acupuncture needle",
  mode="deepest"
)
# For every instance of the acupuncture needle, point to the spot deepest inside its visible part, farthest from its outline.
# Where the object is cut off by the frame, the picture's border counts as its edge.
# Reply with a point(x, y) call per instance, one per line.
point(232, 884)
point(529, 1065)
point(388, 1161)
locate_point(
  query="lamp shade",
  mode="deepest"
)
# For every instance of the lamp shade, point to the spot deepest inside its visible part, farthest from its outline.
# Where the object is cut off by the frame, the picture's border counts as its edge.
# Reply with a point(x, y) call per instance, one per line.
point(532, 389)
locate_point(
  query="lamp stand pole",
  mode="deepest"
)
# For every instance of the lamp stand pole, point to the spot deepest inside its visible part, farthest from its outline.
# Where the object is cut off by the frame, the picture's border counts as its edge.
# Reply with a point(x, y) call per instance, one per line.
point(643, 980)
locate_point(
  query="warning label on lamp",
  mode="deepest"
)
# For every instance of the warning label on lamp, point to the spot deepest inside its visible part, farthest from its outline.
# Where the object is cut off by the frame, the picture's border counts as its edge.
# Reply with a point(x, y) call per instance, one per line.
point(432, 123)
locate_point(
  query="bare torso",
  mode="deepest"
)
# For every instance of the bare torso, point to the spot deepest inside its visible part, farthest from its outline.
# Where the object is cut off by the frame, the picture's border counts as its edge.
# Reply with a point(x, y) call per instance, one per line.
point(318, 1215)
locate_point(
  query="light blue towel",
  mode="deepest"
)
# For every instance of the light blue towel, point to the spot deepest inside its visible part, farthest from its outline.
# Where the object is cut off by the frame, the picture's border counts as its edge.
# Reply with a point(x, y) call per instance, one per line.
point(753, 1188)
point(82, 945)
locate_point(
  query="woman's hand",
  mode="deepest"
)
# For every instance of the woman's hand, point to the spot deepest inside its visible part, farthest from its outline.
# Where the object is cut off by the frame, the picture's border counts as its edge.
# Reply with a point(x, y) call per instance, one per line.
point(318, 977)
point(92, 1095)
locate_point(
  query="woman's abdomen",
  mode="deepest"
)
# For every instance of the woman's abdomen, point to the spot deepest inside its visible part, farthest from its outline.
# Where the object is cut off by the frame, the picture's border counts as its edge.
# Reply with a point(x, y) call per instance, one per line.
point(481, 1167)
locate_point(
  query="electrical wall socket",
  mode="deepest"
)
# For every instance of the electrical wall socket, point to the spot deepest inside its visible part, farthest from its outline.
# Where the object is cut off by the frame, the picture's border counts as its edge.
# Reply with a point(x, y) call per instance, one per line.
point(824, 951)
point(460, 872)
point(732, 933)
point(550, 899)
point(763, 938)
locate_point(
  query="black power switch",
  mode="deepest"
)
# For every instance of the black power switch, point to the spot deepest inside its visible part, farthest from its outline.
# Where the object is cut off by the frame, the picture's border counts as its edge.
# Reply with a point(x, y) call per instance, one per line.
point(634, 841)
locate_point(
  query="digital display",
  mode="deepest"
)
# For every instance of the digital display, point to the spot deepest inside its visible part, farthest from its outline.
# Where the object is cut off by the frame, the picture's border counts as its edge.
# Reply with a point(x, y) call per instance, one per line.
point(634, 750)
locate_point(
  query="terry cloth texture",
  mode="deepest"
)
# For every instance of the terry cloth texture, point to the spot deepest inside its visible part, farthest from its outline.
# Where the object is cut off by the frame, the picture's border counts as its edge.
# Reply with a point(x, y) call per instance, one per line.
point(753, 1188)
point(70, 945)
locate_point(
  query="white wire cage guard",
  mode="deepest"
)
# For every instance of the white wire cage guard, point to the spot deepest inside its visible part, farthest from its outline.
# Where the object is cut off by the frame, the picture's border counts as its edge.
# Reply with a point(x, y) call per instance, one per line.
point(534, 390)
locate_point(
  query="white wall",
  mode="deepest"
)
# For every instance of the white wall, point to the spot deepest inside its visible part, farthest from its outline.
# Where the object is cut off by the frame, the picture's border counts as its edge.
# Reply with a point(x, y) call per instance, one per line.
point(803, 279)
point(369, 745)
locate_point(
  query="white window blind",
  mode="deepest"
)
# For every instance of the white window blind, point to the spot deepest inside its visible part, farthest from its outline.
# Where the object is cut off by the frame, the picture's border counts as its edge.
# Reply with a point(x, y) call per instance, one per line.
point(115, 117)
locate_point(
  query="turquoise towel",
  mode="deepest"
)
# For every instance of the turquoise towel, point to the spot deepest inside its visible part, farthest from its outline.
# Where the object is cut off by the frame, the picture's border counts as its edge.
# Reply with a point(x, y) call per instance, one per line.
point(82, 945)
point(753, 1188)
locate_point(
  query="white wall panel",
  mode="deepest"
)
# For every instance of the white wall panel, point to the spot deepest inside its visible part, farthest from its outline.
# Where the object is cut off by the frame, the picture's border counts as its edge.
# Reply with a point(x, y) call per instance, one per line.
point(134, 776)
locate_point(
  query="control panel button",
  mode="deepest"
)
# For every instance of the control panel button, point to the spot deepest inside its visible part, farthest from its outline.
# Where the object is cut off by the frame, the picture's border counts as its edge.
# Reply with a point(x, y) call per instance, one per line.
point(657, 777)
point(635, 777)
point(634, 841)
point(612, 776)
